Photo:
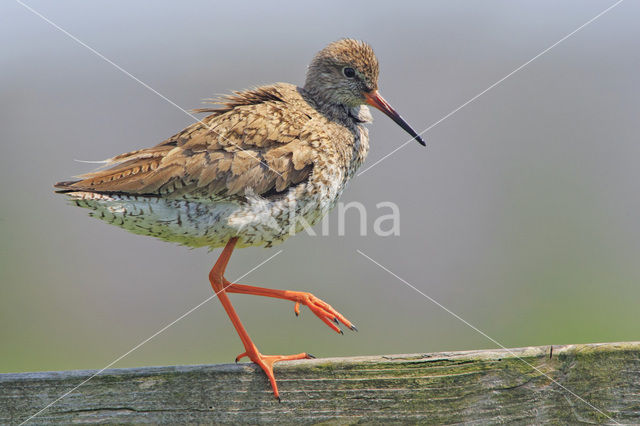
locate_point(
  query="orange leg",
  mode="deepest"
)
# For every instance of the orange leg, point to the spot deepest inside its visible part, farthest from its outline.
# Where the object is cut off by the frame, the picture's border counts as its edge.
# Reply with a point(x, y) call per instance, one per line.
point(323, 310)
point(221, 287)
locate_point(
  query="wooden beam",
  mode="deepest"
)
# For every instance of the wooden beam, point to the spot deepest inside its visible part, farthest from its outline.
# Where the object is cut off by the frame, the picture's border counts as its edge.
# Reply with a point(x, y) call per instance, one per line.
point(531, 385)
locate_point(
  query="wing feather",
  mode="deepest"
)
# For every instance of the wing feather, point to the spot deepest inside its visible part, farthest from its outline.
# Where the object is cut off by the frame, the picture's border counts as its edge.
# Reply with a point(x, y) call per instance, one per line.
point(256, 140)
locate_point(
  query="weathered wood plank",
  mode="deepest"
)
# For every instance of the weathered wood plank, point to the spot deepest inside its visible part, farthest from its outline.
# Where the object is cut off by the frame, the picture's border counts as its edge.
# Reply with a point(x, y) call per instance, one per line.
point(480, 387)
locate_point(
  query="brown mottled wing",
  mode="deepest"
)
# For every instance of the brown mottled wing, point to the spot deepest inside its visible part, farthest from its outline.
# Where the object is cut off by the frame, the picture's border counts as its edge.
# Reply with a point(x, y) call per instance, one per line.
point(256, 141)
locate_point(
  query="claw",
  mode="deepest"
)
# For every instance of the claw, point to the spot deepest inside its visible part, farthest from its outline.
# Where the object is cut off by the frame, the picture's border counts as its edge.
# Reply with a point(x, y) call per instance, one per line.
point(331, 324)
point(353, 327)
point(335, 319)
point(311, 356)
point(296, 309)
point(341, 332)
point(278, 398)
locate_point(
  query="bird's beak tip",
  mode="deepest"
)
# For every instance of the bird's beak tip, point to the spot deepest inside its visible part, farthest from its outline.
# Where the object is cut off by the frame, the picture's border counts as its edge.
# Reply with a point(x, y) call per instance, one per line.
point(374, 99)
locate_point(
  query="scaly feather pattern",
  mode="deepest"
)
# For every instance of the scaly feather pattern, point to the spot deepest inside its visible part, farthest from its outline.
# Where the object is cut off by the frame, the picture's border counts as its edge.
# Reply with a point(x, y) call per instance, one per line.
point(242, 145)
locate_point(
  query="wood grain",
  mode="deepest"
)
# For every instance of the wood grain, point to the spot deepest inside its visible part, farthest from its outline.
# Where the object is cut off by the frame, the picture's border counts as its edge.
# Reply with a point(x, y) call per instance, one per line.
point(479, 387)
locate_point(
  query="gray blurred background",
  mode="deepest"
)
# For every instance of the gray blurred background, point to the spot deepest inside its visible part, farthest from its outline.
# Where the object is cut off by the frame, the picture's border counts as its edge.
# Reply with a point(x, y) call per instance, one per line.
point(521, 215)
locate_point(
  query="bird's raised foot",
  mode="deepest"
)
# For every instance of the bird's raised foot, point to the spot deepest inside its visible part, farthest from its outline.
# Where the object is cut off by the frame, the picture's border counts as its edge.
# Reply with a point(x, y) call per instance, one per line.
point(266, 363)
point(322, 310)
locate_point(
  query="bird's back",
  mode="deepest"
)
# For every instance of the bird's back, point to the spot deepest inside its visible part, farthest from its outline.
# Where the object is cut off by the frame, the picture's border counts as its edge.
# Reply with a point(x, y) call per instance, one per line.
point(256, 139)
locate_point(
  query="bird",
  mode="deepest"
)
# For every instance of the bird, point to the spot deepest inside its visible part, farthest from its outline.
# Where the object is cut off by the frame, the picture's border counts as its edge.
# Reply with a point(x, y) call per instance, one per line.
point(262, 165)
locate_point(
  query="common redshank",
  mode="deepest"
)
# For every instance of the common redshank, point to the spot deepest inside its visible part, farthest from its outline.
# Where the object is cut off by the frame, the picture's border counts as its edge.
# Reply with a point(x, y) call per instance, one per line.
point(263, 165)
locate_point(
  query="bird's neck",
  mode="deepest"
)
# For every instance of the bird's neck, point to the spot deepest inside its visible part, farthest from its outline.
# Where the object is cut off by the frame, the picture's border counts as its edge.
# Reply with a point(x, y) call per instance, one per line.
point(336, 112)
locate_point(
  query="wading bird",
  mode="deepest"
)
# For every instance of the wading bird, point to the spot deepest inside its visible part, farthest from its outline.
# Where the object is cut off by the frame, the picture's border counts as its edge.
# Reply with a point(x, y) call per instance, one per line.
point(261, 166)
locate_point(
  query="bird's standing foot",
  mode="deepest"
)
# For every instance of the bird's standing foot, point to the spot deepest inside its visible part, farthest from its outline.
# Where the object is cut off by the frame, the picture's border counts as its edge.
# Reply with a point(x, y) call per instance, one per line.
point(266, 363)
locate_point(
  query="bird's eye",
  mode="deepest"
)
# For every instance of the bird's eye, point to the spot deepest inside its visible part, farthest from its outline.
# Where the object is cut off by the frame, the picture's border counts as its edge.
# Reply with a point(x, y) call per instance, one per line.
point(349, 72)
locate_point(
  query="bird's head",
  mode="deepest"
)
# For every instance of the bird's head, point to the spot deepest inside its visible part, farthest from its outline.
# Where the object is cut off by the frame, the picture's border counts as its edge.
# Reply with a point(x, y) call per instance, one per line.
point(346, 73)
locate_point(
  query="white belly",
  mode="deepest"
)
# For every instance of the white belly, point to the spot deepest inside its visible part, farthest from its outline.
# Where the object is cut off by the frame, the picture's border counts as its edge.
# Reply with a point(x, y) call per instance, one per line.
point(211, 223)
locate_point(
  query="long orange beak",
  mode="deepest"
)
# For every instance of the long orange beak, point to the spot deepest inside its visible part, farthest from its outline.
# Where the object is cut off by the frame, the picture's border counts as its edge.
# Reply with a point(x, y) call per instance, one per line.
point(375, 100)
